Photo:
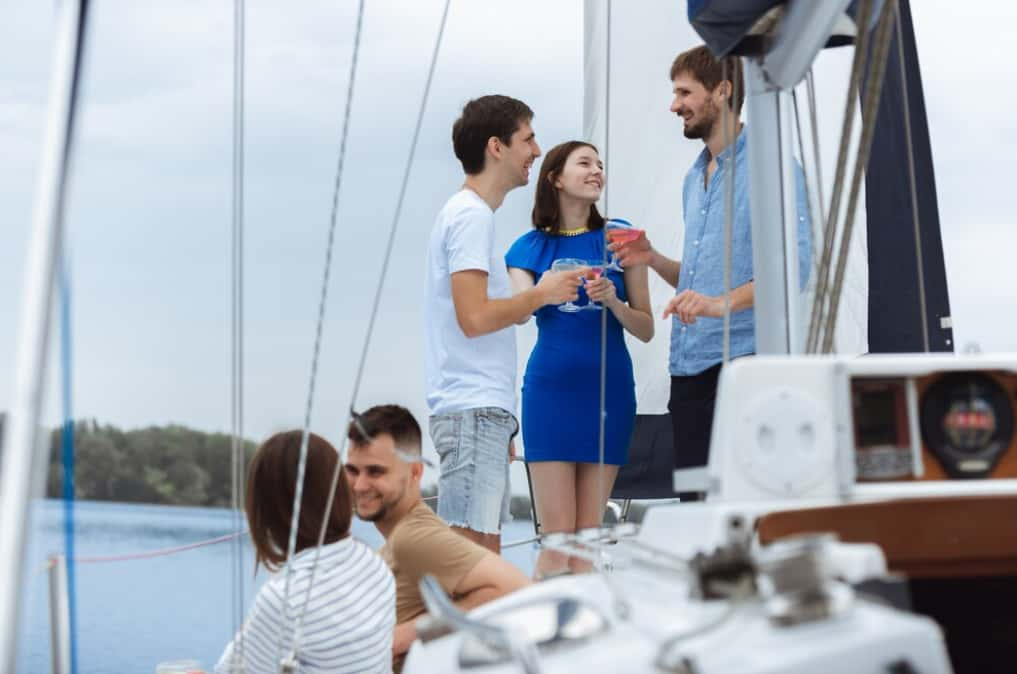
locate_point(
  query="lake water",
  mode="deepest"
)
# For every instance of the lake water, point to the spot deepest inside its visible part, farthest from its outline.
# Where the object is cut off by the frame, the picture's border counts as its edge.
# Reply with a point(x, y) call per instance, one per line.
point(134, 614)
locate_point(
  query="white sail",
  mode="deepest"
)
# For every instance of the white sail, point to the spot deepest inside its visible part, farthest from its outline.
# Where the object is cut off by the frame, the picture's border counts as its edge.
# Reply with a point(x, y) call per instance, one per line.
point(625, 113)
point(645, 154)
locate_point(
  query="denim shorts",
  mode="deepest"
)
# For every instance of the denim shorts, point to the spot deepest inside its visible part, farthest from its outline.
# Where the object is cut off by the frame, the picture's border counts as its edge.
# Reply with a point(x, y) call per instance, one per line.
point(473, 490)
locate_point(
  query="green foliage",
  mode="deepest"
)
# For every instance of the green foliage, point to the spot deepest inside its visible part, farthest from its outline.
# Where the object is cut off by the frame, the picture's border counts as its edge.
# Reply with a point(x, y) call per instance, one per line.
point(171, 465)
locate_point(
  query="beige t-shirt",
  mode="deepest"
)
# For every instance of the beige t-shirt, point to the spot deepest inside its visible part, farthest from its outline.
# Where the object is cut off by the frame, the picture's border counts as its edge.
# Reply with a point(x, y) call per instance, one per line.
point(422, 543)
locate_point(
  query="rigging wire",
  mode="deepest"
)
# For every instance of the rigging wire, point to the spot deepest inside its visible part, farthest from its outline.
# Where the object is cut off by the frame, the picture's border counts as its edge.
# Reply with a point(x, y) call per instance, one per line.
point(322, 301)
point(729, 170)
point(237, 453)
point(830, 229)
point(919, 260)
point(377, 298)
point(602, 405)
point(873, 94)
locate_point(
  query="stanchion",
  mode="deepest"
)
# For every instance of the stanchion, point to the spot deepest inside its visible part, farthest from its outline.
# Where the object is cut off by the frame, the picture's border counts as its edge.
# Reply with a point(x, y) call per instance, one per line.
point(59, 616)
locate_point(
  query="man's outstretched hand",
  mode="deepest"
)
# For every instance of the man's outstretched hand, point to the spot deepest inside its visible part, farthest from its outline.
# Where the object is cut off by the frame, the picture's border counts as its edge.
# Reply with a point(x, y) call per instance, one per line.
point(688, 305)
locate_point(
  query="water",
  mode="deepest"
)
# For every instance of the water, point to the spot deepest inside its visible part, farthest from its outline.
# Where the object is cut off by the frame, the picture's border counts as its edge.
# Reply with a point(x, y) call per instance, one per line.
point(134, 614)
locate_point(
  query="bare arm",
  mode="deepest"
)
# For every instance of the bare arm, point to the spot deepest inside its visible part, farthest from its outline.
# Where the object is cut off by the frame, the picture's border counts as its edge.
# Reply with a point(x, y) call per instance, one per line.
point(478, 314)
point(640, 252)
point(666, 268)
point(742, 297)
point(636, 316)
point(522, 280)
point(492, 577)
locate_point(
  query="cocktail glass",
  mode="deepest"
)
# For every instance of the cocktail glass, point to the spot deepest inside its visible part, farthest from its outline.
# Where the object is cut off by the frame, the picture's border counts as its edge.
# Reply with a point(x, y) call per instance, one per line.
point(594, 269)
point(568, 264)
point(620, 231)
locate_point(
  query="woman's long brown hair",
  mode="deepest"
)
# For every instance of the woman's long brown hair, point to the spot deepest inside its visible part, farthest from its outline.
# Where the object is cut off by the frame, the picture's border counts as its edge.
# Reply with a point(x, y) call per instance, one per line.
point(271, 483)
point(546, 211)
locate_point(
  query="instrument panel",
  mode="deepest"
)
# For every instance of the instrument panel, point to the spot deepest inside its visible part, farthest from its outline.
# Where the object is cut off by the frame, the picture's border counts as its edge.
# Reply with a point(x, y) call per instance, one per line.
point(943, 426)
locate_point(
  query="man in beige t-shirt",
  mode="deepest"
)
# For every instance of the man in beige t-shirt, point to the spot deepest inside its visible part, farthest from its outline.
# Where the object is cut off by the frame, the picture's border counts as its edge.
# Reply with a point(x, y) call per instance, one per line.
point(384, 468)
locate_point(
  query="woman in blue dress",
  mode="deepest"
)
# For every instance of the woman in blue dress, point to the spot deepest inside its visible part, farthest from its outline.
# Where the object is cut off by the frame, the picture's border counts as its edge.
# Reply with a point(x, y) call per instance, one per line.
point(561, 387)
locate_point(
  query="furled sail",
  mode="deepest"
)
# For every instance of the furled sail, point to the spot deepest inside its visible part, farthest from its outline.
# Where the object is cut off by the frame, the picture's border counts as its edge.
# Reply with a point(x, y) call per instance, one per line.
point(895, 317)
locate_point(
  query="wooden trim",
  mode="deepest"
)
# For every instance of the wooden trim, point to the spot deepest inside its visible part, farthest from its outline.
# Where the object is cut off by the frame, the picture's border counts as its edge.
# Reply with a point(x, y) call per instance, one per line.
point(922, 538)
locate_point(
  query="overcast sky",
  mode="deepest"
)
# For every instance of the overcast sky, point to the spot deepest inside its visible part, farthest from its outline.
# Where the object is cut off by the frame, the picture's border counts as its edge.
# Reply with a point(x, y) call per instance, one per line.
point(149, 210)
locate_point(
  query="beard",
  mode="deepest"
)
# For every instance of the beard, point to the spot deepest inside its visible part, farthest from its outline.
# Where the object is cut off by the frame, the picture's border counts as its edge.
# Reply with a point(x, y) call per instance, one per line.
point(704, 127)
point(378, 514)
point(381, 512)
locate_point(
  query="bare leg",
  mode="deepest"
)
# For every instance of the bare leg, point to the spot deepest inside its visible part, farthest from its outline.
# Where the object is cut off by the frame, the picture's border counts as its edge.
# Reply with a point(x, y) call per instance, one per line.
point(555, 502)
point(490, 541)
point(591, 499)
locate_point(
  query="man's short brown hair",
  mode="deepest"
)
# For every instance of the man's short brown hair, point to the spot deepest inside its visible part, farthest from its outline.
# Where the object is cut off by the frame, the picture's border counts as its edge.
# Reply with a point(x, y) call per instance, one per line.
point(393, 420)
point(710, 72)
point(482, 119)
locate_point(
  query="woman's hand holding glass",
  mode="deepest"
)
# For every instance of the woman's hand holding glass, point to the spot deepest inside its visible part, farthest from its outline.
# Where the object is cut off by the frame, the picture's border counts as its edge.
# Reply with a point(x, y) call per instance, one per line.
point(601, 290)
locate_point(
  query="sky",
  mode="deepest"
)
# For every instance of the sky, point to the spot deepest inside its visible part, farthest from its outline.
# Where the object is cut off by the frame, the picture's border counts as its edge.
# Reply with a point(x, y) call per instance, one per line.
point(149, 209)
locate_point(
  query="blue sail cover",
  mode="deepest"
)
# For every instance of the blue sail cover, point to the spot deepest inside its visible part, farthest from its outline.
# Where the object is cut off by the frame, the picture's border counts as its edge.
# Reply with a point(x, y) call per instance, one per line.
point(724, 24)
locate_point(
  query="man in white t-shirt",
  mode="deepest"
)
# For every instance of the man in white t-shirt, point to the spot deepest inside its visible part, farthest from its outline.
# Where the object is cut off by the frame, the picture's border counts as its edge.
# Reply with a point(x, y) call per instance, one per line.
point(469, 312)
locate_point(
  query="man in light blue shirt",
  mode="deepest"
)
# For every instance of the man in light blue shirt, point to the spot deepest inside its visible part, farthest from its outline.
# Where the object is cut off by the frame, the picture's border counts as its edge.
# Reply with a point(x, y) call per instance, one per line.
point(702, 85)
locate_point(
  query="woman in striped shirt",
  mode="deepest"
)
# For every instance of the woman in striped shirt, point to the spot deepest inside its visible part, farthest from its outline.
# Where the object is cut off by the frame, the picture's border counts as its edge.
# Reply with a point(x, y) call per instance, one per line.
point(349, 613)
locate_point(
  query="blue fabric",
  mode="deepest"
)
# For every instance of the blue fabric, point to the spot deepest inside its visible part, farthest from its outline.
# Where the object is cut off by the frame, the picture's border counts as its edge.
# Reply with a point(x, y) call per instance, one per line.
point(68, 459)
point(473, 488)
point(699, 346)
point(561, 387)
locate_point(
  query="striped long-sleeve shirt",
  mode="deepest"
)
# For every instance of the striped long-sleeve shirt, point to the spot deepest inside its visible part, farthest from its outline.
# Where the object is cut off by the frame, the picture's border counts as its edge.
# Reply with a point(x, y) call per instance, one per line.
point(349, 622)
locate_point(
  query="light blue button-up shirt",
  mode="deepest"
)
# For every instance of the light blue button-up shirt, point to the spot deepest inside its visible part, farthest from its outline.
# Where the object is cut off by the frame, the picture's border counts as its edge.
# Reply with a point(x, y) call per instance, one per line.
point(699, 346)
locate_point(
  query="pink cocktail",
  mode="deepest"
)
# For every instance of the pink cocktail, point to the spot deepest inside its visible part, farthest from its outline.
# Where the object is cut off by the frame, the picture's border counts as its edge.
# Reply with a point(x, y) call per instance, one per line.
point(620, 232)
point(623, 236)
point(593, 271)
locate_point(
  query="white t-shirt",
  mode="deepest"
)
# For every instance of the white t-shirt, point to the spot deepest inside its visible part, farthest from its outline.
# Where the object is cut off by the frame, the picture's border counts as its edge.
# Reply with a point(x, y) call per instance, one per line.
point(462, 372)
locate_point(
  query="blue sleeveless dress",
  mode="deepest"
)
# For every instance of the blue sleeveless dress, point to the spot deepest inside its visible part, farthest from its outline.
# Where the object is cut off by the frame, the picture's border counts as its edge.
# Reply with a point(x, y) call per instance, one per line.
point(561, 387)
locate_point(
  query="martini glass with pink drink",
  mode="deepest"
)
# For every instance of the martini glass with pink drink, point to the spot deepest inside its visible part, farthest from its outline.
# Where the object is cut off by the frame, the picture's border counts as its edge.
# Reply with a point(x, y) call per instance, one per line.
point(620, 231)
point(594, 270)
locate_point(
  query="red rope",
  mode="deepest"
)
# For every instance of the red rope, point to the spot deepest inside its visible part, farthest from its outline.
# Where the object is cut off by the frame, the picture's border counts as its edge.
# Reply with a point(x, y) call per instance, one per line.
point(158, 553)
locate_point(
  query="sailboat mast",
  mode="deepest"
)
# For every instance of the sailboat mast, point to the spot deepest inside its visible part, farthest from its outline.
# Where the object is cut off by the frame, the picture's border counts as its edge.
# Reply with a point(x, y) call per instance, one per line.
point(768, 80)
point(25, 449)
point(774, 218)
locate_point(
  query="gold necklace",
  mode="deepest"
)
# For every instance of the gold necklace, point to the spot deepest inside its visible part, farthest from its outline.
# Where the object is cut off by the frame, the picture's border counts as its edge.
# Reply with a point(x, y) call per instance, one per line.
point(573, 232)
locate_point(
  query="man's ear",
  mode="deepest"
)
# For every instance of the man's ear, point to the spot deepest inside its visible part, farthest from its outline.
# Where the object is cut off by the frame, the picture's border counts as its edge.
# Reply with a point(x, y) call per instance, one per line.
point(724, 90)
point(417, 470)
point(495, 147)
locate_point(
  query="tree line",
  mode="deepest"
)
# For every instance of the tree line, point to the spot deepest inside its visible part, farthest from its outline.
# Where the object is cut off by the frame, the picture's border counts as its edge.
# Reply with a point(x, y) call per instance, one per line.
point(169, 465)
